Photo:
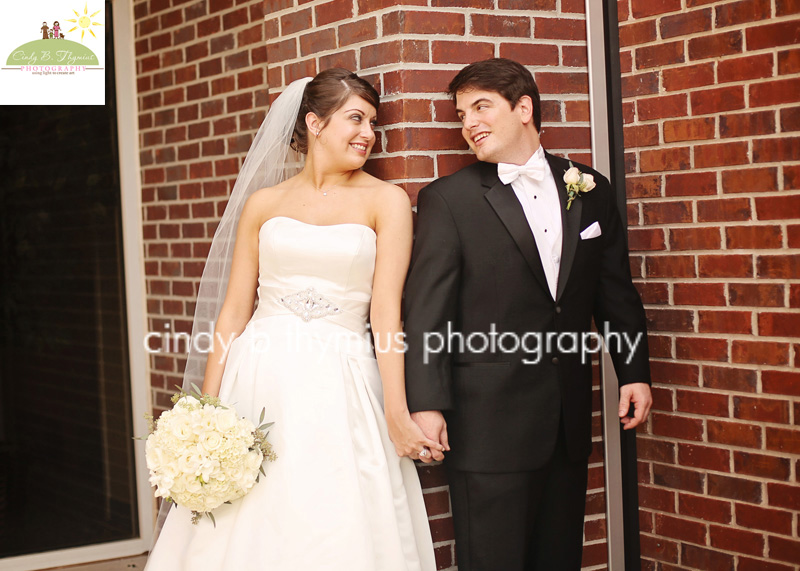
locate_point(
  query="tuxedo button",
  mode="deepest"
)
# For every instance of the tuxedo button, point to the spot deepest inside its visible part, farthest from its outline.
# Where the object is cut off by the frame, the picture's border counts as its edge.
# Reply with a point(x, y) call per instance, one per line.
point(558, 309)
point(554, 360)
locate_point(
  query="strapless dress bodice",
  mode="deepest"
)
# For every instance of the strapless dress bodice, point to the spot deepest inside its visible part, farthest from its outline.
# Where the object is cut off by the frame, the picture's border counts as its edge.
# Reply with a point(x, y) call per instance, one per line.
point(316, 272)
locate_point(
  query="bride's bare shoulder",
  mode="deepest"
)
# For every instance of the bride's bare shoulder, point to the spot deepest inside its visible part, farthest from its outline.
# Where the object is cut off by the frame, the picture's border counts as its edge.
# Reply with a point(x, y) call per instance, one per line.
point(381, 190)
point(259, 205)
point(271, 193)
point(264, 199)
point(386, 201)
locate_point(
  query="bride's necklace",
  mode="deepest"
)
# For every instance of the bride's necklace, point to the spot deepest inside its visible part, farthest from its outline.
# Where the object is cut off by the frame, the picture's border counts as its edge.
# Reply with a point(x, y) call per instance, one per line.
point(325, 192)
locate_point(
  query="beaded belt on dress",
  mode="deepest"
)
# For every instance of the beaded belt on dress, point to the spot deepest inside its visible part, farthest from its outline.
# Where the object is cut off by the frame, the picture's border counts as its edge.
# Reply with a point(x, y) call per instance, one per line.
point(309, 304)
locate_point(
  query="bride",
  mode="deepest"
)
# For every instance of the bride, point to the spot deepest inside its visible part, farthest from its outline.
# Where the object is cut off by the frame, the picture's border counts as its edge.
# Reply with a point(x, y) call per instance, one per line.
point(323, 250)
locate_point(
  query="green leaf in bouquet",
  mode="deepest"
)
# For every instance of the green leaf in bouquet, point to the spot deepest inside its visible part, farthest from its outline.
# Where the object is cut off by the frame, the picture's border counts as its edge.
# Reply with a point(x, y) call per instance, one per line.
point(196, 393)
point(261, 418)
point(211, 517)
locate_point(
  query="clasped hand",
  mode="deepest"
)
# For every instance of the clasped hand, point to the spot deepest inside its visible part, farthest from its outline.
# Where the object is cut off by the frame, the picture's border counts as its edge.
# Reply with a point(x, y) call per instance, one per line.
point(417, 432)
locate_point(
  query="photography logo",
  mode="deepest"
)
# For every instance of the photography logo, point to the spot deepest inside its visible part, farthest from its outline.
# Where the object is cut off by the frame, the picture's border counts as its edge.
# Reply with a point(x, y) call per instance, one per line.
point(57, 49)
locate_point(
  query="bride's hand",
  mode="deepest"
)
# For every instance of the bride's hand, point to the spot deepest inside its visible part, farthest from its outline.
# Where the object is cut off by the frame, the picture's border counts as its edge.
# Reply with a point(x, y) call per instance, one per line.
point(409, 440)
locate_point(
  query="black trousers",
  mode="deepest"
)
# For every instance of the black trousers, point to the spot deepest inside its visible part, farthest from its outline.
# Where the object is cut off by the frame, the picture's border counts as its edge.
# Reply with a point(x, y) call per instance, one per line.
point(521, 521)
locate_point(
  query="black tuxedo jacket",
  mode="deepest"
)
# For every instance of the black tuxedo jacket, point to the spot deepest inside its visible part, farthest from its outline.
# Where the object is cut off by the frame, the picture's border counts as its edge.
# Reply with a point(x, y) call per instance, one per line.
point(475, 269)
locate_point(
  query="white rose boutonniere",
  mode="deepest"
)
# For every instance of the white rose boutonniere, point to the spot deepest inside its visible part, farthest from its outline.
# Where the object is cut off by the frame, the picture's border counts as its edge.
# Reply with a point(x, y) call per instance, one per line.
point(577, 182)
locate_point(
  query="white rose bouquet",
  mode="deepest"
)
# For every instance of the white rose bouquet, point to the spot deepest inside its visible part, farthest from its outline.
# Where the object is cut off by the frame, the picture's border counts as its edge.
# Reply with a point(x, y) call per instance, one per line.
point(201, 454)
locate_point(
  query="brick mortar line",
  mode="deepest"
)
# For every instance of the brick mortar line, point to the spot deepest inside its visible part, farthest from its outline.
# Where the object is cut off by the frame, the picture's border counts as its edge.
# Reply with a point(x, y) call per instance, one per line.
point(407, 35)
point(186, 84)
point(455, 125)
point(688, 10)
point(713, 224)
point(190, 141)
point(191, 22)
point(724, 223)
point(440, 517)
point(182, 47)
point(403, 66)
point(595, 517)
point(436, 488)
point(465, 10)
point(734, 420)
point(708, 225)
point(179, 146)
point(717, 308)
point(738, 27)
point(441, 96)
point(357, 46)
point(704, 390)
point(200, 40)
point(716, 86)
point(680, 515)
point(196, 64)
point(708, 544)
point(712, 390)
point(706, 197)
point(720, 141)
point(750, 337)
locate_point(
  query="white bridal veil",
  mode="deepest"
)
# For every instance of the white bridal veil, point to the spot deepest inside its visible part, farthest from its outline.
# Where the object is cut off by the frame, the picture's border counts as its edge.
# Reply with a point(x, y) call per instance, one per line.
point(269, 161)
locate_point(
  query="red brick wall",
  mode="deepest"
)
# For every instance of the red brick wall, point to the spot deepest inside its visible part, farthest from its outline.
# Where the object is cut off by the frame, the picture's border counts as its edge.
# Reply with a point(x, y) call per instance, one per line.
point(712, 151)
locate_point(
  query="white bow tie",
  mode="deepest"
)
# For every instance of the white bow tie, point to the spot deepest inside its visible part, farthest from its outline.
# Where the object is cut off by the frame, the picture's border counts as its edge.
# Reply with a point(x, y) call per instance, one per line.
point(509, 173)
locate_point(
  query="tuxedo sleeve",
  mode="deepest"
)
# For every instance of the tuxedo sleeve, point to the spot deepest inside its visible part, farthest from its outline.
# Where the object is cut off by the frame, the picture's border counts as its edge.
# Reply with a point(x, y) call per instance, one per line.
point(618, 311)
point(430, 304)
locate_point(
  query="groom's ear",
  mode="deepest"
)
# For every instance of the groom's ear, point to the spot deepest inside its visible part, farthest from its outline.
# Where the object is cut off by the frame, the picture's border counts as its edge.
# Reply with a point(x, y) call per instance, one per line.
point(525, 108)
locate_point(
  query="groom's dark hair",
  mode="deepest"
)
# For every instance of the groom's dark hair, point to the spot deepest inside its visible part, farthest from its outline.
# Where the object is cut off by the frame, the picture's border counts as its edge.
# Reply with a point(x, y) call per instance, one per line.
point(504, 76)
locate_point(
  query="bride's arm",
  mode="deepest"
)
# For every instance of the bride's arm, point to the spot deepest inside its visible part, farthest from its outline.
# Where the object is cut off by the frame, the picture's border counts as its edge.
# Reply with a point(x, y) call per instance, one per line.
point(240, 296)
point(394, 229)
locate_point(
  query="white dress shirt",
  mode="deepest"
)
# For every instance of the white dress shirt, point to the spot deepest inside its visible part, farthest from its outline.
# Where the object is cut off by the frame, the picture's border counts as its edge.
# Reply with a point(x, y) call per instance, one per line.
point(539, 200)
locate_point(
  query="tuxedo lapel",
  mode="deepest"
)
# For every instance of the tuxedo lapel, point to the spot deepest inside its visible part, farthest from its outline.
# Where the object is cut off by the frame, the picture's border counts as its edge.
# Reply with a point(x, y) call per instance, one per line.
point(504, 202)
point(570, 222)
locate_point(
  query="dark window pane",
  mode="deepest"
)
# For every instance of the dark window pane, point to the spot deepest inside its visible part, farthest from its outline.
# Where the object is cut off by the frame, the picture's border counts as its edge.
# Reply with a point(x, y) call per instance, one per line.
point(66, 452)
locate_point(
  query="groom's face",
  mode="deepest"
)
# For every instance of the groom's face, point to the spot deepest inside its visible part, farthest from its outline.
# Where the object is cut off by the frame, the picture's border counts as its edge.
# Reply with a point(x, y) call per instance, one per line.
point(490, 126)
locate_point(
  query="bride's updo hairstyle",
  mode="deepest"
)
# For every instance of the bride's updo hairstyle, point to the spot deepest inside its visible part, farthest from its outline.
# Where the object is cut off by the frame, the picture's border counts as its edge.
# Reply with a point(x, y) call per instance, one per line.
point(324, 95)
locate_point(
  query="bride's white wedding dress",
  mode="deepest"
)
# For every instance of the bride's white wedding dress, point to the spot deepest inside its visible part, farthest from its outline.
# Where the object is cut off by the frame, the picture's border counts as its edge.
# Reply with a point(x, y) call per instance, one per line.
point(337, 498)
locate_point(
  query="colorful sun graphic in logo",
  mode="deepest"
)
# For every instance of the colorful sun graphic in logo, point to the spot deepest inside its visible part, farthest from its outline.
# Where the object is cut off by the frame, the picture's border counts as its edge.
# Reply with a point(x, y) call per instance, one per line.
point(84, 22)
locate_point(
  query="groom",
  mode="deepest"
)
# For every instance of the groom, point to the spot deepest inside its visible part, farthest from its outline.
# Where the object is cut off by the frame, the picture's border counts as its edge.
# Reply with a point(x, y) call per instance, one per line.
point(506, 275)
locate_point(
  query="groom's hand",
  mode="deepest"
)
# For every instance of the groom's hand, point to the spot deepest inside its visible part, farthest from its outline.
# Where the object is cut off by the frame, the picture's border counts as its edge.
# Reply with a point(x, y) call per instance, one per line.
point(434, 426)
point(637, 394)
